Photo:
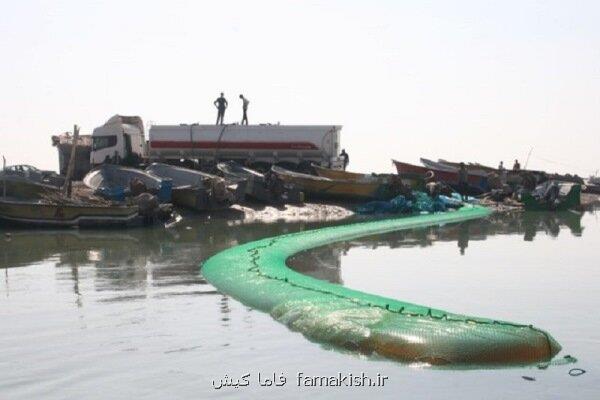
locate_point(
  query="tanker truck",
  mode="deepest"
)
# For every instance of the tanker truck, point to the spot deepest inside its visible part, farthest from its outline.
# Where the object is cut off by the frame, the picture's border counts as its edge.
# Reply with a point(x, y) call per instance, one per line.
point(122, 140)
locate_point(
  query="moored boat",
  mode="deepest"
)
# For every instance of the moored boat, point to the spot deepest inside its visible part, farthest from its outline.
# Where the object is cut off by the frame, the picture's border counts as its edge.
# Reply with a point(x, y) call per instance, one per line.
point(27, 182)
point(23, 188)
point(452, 167)
point(553, 196)
point(449, 177)
point(114, 182)
point(321, 187)
point(350, 176)
point(198, 190)
point(47, 214)
point(265, 187)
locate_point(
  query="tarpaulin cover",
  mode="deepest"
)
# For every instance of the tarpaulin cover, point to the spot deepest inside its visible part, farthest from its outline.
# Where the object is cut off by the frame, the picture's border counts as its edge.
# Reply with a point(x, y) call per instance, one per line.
point(256, 274)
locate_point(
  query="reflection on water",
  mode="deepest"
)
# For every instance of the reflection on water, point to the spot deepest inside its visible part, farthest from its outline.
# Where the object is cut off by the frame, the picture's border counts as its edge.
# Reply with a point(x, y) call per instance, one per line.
point(81, 308)
point(138, 259)
point(130, 263)
point(324, 262)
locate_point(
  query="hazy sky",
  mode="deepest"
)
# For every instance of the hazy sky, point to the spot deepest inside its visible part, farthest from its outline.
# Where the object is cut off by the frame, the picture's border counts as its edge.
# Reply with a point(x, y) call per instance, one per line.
point(462, 80)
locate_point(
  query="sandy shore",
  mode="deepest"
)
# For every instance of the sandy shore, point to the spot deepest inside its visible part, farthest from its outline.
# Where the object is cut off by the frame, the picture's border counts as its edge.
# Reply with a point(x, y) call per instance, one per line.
point(307, 212)
point(315, 212)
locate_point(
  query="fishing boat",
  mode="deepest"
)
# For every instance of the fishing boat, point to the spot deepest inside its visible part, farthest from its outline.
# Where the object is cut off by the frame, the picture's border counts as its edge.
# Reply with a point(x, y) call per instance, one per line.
point(322, 187)
point(469, 165)
point(45, 214)
point(198, 190)
point(27, 182)
point(265, 187)
point(443, 175)
point(553, 196)
point(34, 174)
point(22, 188)
point(350, 176)
point(590, 187)
point(452, 167)
point(115, 182)
point(412, 181)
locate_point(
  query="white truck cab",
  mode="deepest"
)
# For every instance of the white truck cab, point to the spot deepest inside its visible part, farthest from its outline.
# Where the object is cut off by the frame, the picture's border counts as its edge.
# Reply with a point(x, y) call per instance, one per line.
point(120, 139)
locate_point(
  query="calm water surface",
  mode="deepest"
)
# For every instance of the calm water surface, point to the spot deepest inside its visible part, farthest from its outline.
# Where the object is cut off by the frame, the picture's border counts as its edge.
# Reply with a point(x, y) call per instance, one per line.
point(127, 314)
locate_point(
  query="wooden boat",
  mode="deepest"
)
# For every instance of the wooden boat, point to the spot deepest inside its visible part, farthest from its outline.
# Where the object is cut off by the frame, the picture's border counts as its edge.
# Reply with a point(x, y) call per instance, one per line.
point(350, 176)
point(27, 182)
point(569, 197)
point(22, 188)
point(449, 177)
point(540, 176)
point(444, 166)
point(198, 190)
point(474, 167)
point(39, 213)
point(262, 187)
point(591, 188)
point(114, 182)
point(321, 187)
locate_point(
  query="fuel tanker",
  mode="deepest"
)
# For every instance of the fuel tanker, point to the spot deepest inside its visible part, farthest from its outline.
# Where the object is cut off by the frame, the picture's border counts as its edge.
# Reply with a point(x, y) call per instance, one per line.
point(122, 140)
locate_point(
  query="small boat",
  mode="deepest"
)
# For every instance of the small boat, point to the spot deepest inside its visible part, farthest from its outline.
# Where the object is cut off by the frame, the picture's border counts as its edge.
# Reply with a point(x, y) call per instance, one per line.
point(321, 187)
point(411, 181)
point(262, 187)
point(198, 190)
point(452, 167)
point(115, 182)
point(44, 214)
point(22, 188)
point(350, 176)
point(553, 196)
point(450, 177)
point(27, 182)
point(476, 168)
point(34, 174)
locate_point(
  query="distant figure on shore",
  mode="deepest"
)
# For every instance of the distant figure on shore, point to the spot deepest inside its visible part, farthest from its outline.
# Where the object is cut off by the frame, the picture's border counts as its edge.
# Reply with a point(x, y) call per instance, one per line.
point(502, 172)
point(463, 181)
point(346, 158)
point(245, 103)
point(516, 166)
point(221, 104)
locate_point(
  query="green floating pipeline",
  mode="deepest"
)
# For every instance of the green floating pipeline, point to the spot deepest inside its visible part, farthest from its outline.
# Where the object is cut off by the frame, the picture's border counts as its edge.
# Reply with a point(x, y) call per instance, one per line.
point(256, 274)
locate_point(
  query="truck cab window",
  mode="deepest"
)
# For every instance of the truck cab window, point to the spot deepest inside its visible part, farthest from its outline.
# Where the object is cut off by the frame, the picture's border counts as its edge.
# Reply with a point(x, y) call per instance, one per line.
point(102, 142)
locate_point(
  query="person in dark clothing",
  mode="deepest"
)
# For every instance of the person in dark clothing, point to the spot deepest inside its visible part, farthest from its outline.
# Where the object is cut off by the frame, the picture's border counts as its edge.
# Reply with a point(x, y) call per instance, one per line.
point(221, 104)
point(516, 166)
point(245, 103)
point(463, 181)
point(346, 158)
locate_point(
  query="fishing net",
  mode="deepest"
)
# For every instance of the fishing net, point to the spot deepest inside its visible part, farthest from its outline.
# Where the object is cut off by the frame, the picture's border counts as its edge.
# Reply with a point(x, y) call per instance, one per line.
point(256, 274)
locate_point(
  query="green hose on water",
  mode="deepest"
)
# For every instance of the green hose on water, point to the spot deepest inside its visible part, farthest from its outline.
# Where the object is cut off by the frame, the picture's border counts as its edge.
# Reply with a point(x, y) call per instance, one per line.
point(256, 274)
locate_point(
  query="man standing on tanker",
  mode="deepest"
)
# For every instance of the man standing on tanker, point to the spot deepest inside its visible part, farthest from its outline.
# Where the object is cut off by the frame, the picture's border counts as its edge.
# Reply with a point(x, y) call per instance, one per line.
point(221, 104)
point(245, 103)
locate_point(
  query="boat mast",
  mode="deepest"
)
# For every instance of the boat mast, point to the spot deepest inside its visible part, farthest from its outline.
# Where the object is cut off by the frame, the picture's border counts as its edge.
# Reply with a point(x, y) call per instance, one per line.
point(66, 189)
point(527, 161)
point(4, 180)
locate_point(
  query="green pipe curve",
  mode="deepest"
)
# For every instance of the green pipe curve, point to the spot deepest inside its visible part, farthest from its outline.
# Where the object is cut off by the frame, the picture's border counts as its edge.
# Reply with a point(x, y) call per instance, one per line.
point(256, 274)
